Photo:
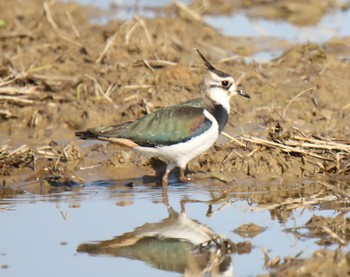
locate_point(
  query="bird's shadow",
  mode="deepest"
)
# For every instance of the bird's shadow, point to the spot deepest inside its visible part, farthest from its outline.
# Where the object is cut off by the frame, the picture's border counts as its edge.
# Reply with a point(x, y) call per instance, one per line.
point(154, 180)
point(160, 167)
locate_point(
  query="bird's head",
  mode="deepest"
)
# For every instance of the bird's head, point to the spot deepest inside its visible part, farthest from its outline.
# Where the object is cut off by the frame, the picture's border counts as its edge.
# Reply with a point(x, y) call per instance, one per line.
point(219, 86)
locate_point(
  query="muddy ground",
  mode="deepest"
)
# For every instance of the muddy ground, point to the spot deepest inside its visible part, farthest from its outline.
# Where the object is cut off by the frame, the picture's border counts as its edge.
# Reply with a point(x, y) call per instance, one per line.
point(60, 73)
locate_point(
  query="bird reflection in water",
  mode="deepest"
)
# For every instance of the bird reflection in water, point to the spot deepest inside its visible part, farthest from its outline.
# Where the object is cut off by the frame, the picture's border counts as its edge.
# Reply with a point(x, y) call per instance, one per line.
point(176, 243)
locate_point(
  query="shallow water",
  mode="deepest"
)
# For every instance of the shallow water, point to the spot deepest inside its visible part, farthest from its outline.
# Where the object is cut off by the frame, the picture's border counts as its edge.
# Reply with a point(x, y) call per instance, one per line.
point(239, 24)
point(41, 233)
point(334, 24)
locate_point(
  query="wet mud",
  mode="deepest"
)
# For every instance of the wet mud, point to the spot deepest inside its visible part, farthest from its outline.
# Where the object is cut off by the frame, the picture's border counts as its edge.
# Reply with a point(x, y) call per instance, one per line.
point(60, 73)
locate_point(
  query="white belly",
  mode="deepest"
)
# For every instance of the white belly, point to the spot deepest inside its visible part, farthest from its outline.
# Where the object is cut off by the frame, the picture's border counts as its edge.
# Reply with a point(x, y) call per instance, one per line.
point(180, 154)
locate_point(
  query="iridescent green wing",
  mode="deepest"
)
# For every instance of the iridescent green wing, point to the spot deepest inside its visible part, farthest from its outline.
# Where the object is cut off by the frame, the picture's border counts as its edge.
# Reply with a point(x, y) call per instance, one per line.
point(164, 127)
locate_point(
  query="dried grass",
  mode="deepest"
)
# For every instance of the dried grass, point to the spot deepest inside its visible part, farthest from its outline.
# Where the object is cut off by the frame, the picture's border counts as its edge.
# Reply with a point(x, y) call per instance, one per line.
point(23, 156)
point(326, 150)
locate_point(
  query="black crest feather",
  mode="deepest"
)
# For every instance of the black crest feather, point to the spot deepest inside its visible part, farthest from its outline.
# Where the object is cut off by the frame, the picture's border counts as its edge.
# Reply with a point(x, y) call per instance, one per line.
point(211, 67)
point(206, 62)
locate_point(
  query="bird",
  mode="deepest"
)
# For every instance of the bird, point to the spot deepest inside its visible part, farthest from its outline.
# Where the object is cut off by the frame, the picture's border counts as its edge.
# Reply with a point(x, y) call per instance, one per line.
point(179, 133)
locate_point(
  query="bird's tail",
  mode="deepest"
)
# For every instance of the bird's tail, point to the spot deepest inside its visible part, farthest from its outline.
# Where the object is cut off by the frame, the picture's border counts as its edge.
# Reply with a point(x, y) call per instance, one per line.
point(88, 134)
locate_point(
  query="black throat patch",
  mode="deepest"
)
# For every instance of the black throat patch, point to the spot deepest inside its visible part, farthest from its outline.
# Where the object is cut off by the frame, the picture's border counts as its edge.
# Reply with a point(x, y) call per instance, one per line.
point(221, 116)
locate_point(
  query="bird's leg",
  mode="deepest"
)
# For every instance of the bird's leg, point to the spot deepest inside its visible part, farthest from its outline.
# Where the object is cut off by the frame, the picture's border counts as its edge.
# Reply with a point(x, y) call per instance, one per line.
point(183, 177)
point(165, 178)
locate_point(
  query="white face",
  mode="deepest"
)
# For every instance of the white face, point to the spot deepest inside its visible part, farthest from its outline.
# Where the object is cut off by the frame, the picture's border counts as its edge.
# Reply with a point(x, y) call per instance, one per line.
point(220, 89)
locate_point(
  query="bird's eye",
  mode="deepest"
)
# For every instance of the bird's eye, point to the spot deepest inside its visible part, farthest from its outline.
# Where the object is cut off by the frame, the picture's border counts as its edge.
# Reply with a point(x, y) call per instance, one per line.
point(224, 83)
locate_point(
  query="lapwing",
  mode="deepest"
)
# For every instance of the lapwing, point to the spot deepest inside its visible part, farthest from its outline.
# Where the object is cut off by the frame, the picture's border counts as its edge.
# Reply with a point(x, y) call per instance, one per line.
point(178, 133)
point(176, 243)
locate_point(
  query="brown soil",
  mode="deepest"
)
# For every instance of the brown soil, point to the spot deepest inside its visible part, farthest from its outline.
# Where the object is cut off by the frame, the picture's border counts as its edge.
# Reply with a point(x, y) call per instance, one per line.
point(59, 73)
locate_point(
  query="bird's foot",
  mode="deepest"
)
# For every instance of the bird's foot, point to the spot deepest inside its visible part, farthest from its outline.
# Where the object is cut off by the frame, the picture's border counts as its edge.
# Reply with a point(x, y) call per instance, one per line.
point(186, 179)
point(183, 178)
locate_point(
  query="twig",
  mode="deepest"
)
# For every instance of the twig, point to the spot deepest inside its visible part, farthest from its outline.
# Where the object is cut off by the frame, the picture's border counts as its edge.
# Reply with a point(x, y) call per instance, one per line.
point(334, 235)
point(49, 16)
point(284, 148)
point(252, 152)
point(75, 30)
point(16, 35)
point(154, 63)
point(345, 168)
point(99, 90)
point(233, 139)
point(323, 141)
point(10, 79)
point(294, 203)
point(20, 150)
point(295, 97)
point(109, 44)
point(335, 190)
point(54, 78)
point(230, 59)
point(144, 27)
point(110, 89)
point(187, 10)
point(16, 99)
point(131, 97)
point(342, 147)
point(18, 90)
point(55, 26)
point(135, 87)
point(129, 33)
point(148, 65)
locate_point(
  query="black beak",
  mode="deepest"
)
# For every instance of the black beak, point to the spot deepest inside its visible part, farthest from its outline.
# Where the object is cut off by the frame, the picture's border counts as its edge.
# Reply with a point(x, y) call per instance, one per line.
point(242, 93)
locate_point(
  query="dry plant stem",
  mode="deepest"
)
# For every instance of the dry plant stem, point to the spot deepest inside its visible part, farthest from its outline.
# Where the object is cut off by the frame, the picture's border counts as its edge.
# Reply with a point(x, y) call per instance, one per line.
point(334, 235)
point(335, 190)
point(54, 78)
point(20, 150)
point(338, 147)
point(344, 169)
point(109, 44)
point(49, 16)
point(129, 33)
point(7, 81)
point(153, 63)
point(284, 148)
point(98, 89)
point(16, 35)
point(17, 90)
point(187, 10)
point(295, 97)
point(75, 30)
point(55, 27)
point(144, 27)
point(148, 65)
point(136, 87)
point(233, 139)
point(16, 99)
point(295, 203)
point(230, 59)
